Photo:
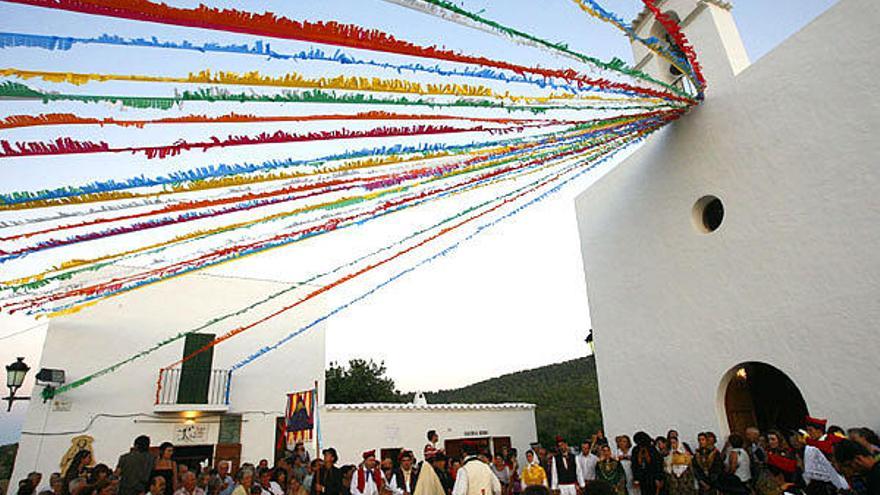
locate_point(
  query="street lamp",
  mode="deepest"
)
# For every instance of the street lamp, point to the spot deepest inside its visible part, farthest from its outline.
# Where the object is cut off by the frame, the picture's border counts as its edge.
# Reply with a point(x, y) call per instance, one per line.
point(15, 374)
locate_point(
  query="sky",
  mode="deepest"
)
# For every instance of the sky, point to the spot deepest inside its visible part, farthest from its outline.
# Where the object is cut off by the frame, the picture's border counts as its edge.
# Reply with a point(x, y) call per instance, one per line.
point(512, 299)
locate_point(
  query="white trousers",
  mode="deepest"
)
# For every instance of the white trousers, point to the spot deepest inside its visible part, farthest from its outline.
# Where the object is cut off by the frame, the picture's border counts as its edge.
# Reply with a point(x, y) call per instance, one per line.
point(567, 489)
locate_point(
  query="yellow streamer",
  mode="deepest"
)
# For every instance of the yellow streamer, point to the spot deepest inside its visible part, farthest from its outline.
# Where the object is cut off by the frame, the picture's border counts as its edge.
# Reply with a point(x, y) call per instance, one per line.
point(295, 80)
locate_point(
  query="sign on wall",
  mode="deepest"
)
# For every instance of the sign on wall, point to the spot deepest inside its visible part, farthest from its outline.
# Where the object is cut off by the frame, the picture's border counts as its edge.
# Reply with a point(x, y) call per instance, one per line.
point(476, 433)
point(190, 433)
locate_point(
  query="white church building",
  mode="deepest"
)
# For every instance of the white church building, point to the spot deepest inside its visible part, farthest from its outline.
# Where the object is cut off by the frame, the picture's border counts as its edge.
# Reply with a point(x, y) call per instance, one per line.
point(208, 411)
point(733, 261)
point(205, 410)
point(732, 264)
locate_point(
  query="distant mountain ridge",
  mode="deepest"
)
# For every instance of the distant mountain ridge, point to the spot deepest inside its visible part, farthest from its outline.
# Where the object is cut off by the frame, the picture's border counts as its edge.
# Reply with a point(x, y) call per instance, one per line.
point(567, 396)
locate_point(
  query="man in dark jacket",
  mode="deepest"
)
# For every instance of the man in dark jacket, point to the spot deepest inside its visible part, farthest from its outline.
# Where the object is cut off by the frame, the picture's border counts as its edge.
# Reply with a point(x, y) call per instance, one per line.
point(328, 479)
point(134, 468)
point(407, 475)
point(647, 465)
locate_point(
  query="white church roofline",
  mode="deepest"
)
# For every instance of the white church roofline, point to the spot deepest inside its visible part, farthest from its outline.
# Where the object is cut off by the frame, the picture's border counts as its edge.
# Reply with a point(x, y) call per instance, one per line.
point(388, 406)
point(645, 13)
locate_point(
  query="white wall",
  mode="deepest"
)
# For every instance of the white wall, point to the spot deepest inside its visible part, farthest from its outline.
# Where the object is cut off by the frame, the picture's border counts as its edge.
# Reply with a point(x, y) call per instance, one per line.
point(117, 407)
point(791, 278)
point(353, 431)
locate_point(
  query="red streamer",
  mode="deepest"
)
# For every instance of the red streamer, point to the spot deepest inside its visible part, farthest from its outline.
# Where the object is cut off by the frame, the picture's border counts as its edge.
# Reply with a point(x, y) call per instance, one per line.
point(66, 145)
point(680, 39)
point(330, 33)
point(16, 121)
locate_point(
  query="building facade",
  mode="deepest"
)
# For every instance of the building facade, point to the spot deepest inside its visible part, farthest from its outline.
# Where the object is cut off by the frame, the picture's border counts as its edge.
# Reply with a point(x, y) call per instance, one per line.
point(390, 428)
point(733, 261)
point(208, 411)
point(207, 408)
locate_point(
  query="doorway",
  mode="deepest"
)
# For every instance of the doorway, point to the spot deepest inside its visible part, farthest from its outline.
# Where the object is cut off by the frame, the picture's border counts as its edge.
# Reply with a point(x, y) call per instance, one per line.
point(758, 394)
point(454, 447)
point(194, 456)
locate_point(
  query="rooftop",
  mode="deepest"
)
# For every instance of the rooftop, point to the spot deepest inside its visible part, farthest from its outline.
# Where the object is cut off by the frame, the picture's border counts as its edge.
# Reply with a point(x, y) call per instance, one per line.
point(645, 13)
point(375, 406)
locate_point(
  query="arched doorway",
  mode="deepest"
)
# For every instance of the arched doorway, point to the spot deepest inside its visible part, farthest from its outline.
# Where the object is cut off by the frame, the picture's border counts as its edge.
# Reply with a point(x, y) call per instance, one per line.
point(758, 394)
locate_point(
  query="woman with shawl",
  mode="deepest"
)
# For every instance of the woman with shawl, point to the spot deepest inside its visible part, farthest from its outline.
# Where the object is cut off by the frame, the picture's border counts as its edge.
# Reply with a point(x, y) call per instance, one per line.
point(533, 474)
point(679, 476)
point(610, 470)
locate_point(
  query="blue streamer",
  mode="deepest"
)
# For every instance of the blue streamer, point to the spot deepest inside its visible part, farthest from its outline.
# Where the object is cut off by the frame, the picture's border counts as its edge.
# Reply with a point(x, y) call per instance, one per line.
point(448, 250)
point(652, 43)
point(263, 49)
point(46, 245)
point(287, 241)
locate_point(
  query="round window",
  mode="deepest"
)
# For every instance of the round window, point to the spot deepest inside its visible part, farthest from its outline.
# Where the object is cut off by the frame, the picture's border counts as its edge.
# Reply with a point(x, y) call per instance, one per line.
point(708, 214)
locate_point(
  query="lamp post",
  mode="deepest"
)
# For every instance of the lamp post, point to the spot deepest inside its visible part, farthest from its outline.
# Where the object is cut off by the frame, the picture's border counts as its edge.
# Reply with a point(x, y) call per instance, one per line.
point(15, 374)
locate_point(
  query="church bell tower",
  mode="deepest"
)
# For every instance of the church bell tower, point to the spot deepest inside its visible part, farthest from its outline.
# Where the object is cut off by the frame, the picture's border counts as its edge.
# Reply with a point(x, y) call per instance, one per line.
point(710, 28)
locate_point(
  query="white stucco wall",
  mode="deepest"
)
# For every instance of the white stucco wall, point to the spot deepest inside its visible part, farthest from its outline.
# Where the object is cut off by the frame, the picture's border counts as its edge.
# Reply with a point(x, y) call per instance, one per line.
point(353, 429)
point(114, 409)
point(792, 276)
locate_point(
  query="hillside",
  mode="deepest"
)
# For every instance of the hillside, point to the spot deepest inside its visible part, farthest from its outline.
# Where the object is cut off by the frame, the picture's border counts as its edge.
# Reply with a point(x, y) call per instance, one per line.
point(567, 396)
point(7, 457)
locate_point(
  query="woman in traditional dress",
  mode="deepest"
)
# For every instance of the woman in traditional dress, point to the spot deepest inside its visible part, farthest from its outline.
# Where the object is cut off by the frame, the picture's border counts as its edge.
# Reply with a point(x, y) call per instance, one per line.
point(610, 470)
point(776, 444)
point(533, 474)
point(78, 468)
point(624, 455)
point(679, 475)
point(708, 465)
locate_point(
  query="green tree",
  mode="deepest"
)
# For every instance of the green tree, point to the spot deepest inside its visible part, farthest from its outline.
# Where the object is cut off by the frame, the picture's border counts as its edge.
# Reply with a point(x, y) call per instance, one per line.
point(7, 459)
point(361, 381)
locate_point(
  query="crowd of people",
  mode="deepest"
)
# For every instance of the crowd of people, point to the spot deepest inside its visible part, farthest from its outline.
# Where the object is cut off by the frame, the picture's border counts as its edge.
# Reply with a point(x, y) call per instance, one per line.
point(814, 461)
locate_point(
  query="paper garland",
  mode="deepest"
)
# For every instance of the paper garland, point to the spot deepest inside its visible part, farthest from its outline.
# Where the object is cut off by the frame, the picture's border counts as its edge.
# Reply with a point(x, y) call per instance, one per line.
point(332, 33)
point(452, 129)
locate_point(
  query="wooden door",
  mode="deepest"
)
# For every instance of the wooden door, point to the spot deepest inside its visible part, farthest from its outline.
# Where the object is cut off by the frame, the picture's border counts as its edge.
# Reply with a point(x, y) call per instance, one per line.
point(228, 452)
point(499, 443)
point(740, 406)
point(393, 454)
point(280, 438)
point(453, 446)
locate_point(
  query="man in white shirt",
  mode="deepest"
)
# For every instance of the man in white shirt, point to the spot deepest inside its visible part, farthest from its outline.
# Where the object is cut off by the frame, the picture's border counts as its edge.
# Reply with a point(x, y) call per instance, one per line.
point(367, 480)
point(565, 470)
point(474, 477)
point(406, 477)
point(189, 485)
point(227, 483)
point(587, 460)
point(388, 474)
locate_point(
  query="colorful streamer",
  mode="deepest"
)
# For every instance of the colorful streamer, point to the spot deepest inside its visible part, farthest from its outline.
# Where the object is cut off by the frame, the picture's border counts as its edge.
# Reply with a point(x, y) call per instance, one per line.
point(331, 33)
point(122, 182)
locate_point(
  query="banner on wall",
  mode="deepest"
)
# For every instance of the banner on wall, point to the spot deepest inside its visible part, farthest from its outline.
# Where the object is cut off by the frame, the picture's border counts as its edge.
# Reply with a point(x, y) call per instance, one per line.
point(299, 420)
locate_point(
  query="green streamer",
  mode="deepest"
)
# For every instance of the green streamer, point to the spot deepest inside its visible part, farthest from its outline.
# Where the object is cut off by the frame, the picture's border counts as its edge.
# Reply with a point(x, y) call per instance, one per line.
point(49, 393)
point(616, 64)
point(17, 90)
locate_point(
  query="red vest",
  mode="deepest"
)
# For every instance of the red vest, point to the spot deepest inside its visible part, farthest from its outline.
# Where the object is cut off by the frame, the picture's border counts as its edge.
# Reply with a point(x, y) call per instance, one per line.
point(362, 479)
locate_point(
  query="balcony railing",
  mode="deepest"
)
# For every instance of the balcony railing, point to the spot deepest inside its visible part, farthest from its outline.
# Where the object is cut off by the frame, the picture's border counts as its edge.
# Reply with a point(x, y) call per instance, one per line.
point(181, 389)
